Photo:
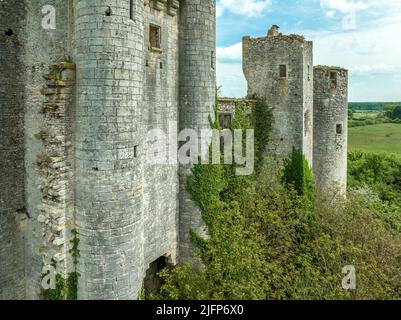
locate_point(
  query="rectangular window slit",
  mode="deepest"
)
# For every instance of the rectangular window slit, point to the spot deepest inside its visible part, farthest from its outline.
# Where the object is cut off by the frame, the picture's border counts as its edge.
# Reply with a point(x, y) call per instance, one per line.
point(339, 129)
point(333, 80)
point(131, 9)
point(283, 71)
point(136, 152)
point(154, 37)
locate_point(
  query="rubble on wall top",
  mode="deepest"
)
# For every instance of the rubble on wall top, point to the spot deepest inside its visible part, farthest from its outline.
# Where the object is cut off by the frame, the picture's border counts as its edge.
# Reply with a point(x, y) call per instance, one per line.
point(330, 68)
point(279, 37)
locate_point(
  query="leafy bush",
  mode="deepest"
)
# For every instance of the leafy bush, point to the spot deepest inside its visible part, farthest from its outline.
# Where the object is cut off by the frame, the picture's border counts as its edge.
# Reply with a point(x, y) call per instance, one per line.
point(270, 244)
point(266, 241)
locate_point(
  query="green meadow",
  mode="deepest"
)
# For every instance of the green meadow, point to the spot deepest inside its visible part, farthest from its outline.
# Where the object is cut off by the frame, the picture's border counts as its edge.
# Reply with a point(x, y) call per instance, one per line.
point(377, 138)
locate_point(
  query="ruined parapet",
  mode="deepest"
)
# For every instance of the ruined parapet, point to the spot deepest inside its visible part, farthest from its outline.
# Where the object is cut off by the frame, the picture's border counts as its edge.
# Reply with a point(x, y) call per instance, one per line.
point(331, 128)
point(227, 107)
point(109, 42)
point(273, 31)
point(13, 213)
point(197, 96)
point(279, 68)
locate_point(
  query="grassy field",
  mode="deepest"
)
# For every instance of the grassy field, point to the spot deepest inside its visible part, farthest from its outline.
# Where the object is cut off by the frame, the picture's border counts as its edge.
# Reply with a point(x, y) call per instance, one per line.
point(363, 114)
point(376, 138)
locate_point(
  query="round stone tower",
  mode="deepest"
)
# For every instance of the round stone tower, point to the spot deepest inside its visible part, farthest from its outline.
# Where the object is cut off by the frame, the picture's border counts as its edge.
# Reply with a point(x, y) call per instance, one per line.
point(197, 94)
point(330, 143)
point(109, 41)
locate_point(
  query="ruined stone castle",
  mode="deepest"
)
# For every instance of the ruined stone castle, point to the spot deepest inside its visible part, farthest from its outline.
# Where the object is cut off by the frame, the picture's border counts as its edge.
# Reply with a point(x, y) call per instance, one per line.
point(76, 102)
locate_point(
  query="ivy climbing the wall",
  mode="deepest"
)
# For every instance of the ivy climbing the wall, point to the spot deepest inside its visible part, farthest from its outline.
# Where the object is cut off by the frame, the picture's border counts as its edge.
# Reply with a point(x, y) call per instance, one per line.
point(66, 288)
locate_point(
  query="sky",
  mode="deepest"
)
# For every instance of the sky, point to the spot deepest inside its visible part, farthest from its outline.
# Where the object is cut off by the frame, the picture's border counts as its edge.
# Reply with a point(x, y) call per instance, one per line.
point(363, 36)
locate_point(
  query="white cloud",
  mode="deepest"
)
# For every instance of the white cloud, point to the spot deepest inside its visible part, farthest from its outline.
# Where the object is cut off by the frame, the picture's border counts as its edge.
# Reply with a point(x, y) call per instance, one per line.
point(231, 53)
point(330, 14)
point(343, 6)
point(371, 55)
point(249, 8)
point(232, 80)
point(347, 8)
point(380, 68)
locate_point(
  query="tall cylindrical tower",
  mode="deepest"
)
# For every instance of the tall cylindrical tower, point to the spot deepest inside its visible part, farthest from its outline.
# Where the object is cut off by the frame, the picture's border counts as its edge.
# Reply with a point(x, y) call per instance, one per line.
point(12, 173)
point(330, 143)
point(197, 94)
point(109, 58)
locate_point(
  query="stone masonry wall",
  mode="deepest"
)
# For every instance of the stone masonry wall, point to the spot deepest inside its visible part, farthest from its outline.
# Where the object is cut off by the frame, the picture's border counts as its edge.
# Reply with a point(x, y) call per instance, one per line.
point(73, 126)
point(109, 174)
point(331, 128)
point(197, 96)
point(44, 48)
point(13, 214)
point(160, 109)
point(289, 97)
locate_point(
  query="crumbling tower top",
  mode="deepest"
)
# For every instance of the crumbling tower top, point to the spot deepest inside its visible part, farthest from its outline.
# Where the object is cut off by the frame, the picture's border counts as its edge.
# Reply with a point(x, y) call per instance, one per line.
point(273, 31)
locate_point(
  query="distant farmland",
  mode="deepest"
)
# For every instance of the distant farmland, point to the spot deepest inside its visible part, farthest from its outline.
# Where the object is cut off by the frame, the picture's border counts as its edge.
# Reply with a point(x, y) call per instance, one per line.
point(376, 138)
point(370, 106)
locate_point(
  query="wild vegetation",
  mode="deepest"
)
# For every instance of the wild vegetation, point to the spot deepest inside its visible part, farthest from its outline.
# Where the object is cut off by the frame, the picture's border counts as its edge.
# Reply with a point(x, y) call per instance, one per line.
point(390, 113)
point(269, 238)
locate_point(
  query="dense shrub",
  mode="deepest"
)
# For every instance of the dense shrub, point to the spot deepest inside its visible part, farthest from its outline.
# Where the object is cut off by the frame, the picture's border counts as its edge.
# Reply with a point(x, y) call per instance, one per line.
point(266, 241)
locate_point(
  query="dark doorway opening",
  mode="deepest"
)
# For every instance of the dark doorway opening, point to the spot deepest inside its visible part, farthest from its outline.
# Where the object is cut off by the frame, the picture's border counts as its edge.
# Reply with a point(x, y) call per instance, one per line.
point(153, 282)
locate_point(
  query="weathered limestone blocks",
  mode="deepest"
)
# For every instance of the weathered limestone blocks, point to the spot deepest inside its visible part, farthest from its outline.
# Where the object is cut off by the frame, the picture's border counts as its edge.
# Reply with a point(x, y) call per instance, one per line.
point(331, 128)
point(109, 216)
point(279, 68)
point(197, 97)
point(55, 169)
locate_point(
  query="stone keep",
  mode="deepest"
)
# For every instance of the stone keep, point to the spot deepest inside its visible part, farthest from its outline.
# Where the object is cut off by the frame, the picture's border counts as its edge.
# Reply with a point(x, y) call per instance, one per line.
point(75, 105)
point(331, 128)
point(279, 68)
point(309, 106)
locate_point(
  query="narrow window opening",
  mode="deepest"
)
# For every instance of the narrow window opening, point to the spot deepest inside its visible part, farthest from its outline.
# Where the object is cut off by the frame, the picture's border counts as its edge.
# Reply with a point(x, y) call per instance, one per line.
point(135, 151)
point(131, 9)
point(9, 33)
point(212, 60)
point(161, 65)
point(225, 120)
point(308, 72)
point(339, 128)
point(283, 71)
point(147, 63)
point(154, 37)
point(333, 80)
point(108, 12)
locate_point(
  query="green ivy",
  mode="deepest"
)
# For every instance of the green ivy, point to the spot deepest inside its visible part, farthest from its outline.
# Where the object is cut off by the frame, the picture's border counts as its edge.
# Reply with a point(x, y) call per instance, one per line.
point(297, 173)
point(262, 118)
point(66, 289)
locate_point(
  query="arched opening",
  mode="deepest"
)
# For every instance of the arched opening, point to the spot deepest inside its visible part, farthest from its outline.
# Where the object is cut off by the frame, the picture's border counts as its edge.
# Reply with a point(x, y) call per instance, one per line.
point(153, 282)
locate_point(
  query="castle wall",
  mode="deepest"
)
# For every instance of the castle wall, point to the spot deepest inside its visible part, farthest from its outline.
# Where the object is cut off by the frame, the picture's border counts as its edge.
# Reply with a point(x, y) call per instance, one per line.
point(331, 128)
point(160, 108)
point(12, 199)
point(289, 96)
point(109, 148)
point(48, 164)
point(197, 96)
